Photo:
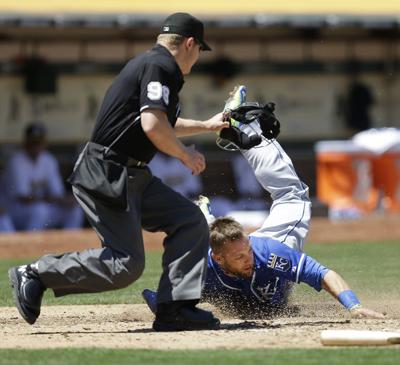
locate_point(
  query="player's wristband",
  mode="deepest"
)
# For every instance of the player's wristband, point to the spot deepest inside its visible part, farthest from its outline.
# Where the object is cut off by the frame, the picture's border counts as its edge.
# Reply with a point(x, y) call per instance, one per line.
point(349, 299)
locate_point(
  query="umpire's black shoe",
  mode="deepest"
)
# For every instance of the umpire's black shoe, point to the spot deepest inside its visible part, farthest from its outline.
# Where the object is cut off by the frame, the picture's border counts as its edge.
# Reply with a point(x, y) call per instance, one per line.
point(27, 292)
point(183, 316)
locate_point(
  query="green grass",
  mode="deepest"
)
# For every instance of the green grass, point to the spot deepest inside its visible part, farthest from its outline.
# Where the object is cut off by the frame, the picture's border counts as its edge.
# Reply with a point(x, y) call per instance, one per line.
point(357, 356)
point(371, 269)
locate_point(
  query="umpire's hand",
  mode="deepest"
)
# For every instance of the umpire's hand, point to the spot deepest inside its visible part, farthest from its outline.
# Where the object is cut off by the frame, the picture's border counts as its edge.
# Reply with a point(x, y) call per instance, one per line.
point(216, 123)
point(194, 160)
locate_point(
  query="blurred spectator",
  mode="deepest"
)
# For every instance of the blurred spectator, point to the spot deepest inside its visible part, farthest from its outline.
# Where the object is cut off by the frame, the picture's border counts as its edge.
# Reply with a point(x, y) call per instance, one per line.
point(222, 70)
point(6, 224)
point(251, 194)
point(174, 174)
point(34, 190)
point(359, 101)
point(178, 177)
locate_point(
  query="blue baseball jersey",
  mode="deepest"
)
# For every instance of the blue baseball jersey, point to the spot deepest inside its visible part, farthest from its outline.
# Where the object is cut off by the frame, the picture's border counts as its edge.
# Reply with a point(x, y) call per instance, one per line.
point(276, 267)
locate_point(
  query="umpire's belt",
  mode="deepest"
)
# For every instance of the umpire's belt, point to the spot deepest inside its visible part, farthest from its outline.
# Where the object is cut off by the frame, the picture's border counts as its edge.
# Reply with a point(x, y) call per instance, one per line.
point(102, 173)
point(109, 154)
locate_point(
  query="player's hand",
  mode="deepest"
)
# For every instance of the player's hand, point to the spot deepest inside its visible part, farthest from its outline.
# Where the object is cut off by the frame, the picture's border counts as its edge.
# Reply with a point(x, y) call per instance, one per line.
point(361, 312)
point(194, 160)
point(216, 123)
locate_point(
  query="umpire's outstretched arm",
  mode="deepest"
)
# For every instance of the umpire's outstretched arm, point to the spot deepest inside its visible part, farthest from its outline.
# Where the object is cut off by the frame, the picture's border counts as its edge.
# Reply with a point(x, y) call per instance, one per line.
point(162, 135)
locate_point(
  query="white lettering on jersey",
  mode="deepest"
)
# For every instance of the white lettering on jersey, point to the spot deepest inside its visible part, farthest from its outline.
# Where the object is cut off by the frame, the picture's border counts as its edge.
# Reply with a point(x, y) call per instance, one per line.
point(268, 291)
point(278, 263)
point(154, 90)
point(165, 94)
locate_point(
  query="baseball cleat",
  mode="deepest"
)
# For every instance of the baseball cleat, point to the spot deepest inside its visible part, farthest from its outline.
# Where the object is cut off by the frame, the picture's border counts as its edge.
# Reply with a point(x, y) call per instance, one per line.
point(150, 297)
point(27, 292)
point(183, 316)
point(232, 139)
point(236, 97)
point(263, 124)
point(204, 204)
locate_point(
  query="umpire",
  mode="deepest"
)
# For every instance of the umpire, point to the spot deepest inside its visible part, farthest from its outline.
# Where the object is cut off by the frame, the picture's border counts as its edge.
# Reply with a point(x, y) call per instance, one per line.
point(119, 194)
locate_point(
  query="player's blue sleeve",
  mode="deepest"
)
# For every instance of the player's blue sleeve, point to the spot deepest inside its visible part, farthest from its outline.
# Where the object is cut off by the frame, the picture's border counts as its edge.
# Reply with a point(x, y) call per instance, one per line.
point(312, 273)
point(288, 263)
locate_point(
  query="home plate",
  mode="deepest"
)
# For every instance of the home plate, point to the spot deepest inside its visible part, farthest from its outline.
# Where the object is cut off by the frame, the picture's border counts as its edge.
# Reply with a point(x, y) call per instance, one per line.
point(359, 338)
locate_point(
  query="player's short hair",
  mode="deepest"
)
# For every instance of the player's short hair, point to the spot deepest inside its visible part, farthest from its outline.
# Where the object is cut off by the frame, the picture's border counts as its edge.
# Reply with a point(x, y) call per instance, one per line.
point(223, 230)
point(173, 41)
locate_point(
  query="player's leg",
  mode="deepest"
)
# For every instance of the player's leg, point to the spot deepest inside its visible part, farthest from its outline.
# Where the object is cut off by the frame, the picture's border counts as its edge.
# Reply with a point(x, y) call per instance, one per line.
point(289, 216)
point(290, 212)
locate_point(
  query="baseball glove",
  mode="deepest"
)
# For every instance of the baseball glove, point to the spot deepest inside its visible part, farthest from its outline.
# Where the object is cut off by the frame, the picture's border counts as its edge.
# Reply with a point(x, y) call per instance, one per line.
point(248, 112)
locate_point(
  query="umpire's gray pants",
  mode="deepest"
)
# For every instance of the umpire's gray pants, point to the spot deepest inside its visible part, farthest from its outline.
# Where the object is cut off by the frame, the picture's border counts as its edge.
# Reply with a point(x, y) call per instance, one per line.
point(153, 206)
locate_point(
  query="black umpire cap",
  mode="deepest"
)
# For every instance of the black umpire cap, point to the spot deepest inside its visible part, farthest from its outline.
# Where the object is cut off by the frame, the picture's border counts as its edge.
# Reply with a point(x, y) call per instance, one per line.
point(185, 25)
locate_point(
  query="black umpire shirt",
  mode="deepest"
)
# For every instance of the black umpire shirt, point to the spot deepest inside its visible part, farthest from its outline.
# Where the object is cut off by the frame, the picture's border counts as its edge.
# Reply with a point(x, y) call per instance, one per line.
point(151, 80)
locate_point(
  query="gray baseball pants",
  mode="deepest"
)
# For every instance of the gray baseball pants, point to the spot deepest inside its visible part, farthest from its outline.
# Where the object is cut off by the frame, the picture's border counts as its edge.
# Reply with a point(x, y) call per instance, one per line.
point(121, 260)
point(290, 213)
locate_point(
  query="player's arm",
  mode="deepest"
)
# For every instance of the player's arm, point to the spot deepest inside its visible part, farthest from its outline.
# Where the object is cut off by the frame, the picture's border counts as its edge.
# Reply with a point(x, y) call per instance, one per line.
point(334, 284)
point(157, 128)
point(188, 127)
point(299, 267)
point(319, 277)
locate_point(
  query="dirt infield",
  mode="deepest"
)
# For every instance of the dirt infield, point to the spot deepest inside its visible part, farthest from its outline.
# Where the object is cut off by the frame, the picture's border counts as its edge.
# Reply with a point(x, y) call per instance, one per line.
point(129, 326)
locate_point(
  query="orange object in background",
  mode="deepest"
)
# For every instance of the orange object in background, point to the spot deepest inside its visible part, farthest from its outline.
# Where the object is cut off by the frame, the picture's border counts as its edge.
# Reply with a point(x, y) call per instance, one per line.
point(345, 176)
point(386, 177)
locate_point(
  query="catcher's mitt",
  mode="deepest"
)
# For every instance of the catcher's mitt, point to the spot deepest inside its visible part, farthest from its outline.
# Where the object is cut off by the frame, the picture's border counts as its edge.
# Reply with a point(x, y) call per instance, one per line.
point(248, 112)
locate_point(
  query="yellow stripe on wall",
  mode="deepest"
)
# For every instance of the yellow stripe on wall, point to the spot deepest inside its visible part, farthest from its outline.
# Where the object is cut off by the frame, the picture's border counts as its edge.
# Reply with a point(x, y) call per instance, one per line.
point(206, 7)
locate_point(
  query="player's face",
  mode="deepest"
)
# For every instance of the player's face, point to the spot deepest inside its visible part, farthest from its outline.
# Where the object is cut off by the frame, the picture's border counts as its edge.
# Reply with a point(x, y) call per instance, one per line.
point(237, 258)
